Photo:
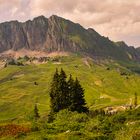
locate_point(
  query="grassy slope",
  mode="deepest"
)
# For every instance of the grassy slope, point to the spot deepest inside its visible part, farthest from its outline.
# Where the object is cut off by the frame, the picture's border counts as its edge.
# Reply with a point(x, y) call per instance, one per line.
point(18, 92)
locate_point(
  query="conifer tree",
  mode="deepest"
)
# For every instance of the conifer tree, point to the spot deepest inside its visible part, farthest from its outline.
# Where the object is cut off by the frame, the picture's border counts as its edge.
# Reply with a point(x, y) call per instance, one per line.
point(78, 101)
point(54, 93)
point(59, 91)
point(63, 90)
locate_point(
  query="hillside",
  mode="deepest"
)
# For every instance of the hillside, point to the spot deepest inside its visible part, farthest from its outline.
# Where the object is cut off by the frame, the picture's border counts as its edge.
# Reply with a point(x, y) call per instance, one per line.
point(56, 34)
point(105, 83)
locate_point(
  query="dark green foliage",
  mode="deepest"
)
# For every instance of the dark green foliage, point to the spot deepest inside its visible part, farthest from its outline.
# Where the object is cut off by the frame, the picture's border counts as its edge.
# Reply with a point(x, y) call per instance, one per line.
point(54, 93)
point(66, 94)
point(77, 98)
point(63, 90)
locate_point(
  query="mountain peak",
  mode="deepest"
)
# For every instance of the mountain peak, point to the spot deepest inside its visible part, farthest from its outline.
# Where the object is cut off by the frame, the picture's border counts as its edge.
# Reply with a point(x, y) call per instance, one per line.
point(54, 17)
point(40, 18)
point(56, 34)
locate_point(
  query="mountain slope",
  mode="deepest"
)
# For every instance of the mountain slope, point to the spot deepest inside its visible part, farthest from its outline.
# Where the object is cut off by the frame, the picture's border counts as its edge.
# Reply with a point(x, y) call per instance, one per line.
point(58, 34)
point(105, 85)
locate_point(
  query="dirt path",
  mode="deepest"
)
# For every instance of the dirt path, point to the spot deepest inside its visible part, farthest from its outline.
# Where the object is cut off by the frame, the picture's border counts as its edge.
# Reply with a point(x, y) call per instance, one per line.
point(85, 60)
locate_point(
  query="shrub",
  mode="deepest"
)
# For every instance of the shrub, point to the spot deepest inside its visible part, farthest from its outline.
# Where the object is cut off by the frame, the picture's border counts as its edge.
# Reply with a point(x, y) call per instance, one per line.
point(72, 121)
point(13, 130)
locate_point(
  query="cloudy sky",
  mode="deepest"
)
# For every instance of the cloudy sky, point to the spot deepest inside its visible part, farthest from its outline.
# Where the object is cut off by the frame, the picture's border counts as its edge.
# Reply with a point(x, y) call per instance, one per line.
point(117, 19)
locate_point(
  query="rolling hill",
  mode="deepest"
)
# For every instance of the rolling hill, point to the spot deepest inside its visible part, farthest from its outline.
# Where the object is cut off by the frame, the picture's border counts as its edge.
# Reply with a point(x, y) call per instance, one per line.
point(105, 83)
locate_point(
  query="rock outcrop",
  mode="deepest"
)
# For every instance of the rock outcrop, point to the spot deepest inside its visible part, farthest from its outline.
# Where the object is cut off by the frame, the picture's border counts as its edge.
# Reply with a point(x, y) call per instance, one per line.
point(58, 34)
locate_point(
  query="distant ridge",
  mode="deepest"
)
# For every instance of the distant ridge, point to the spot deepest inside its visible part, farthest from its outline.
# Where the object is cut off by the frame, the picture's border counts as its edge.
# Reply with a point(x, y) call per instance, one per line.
point(56, 34)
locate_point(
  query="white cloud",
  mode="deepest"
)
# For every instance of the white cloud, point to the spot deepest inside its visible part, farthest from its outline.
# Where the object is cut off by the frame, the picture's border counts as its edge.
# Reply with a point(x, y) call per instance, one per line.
point(118, 19)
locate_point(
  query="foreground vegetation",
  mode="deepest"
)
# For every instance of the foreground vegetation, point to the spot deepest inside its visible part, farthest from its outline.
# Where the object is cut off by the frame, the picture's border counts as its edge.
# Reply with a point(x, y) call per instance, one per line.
point(74, 126)
point(106, 84)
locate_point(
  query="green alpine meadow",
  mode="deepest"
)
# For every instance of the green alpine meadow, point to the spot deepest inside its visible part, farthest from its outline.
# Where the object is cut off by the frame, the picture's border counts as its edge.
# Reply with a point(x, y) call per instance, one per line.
point(109, 91)
point(60, 80)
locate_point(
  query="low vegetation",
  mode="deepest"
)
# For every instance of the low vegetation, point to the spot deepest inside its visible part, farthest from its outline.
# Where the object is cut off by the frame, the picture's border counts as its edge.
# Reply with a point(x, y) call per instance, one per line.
point(13, 130)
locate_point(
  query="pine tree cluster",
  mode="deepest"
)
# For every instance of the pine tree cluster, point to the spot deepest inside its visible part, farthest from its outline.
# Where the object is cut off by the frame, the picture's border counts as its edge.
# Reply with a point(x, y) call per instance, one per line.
point(66, 94)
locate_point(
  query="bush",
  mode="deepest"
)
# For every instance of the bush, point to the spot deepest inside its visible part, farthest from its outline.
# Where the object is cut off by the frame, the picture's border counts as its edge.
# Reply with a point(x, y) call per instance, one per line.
point(72, 121)
point(110, 125)
point(92, 125)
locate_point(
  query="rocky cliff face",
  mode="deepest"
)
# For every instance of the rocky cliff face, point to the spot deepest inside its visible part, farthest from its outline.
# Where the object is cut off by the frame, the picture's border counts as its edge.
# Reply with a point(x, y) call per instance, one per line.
point(58, 34)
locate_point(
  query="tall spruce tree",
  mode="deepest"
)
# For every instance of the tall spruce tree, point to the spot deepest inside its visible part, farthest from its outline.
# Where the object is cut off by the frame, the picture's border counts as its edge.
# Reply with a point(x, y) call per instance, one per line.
point(78, 101)
point(63, 90)
point(54, 93)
